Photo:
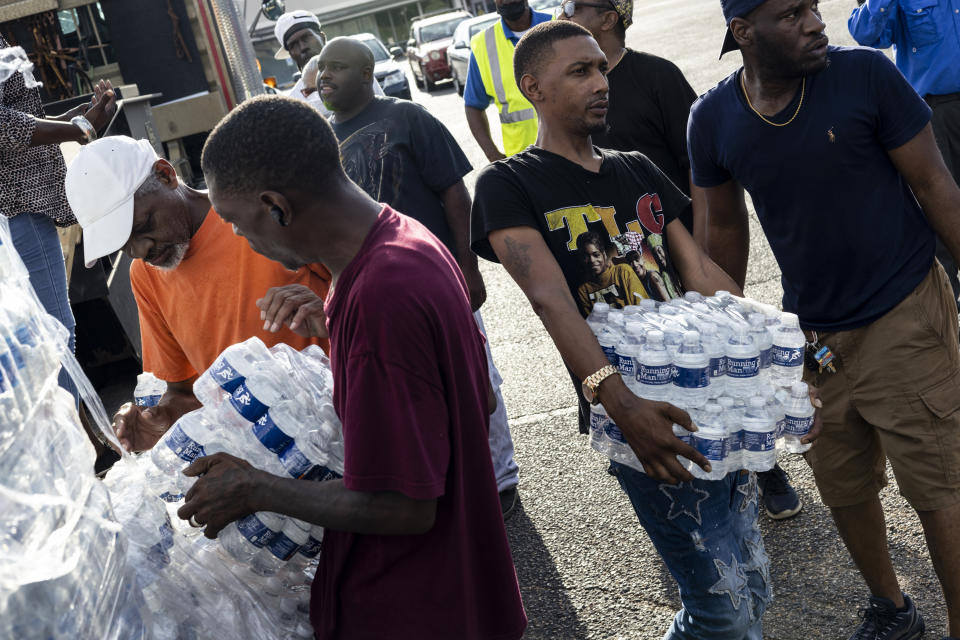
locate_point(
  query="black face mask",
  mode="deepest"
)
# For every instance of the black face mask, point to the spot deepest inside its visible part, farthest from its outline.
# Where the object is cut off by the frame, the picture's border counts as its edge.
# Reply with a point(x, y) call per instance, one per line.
point(512, 11)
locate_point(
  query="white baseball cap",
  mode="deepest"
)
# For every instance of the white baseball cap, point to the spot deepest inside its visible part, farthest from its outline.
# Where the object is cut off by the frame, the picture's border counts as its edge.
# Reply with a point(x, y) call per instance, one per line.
point(285, 22)
point(101, 182)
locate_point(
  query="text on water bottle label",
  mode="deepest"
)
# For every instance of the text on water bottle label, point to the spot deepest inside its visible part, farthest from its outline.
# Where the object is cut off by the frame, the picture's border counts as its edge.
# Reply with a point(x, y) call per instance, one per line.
point(185, 447)
point(718, 367)
point(247, 404)
point(691, 378)
point(711, 449)
point(253, 529)
point(147, 401)
point(743, 367)
point(655, 375)
point(612, 357)
point(282, 547)
point(225, 375)
point(626, 367)
point(270, 435)
point(310, 548)
point(598, 422)
point(786, 356)
point(798, 426)
point(758, 441)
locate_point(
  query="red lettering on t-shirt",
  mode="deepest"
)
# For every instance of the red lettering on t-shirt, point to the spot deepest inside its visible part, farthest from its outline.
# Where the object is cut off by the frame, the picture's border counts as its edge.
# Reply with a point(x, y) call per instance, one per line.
point(649, 213)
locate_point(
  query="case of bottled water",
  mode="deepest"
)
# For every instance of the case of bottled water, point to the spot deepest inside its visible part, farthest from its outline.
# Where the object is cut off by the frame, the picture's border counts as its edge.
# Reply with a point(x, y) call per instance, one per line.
point(82, 558)
point(731, 363)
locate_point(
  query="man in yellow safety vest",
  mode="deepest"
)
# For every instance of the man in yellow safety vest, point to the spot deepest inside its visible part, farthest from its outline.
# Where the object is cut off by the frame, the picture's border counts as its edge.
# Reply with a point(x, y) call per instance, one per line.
point(490, 77)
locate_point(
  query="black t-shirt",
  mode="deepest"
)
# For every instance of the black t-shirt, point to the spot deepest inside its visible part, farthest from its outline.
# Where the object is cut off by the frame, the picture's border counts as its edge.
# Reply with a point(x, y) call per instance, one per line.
point(849, 235)
point(649, 105)
point(627, 204)
point(403, 156)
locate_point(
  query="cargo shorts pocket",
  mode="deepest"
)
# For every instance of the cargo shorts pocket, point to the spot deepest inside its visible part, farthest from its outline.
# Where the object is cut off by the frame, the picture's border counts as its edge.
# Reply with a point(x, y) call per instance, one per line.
point(943, 401)
point(921, 26)
point(943, 398)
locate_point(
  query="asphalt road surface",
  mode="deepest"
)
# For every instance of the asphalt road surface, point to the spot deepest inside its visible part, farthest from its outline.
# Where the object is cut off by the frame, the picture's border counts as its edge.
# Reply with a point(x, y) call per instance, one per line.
point(586, 568)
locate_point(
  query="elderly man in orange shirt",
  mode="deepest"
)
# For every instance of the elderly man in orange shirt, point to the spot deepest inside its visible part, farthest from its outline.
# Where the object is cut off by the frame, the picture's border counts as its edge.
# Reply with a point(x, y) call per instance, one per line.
point(196, 283)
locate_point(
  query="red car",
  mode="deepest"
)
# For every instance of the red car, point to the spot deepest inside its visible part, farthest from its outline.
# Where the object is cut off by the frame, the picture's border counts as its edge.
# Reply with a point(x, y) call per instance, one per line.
point(427, 48)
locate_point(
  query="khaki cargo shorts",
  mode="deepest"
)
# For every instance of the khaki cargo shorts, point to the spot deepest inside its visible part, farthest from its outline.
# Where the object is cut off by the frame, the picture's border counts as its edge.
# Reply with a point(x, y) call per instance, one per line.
point(896, 395)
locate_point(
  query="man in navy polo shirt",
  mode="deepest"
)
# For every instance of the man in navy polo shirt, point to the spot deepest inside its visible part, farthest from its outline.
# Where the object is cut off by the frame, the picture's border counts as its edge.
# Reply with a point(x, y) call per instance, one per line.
point(836, 150)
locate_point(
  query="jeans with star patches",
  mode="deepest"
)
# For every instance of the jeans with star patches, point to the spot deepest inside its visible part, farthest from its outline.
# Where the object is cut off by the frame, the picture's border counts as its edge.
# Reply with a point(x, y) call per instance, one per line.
point(707, 533)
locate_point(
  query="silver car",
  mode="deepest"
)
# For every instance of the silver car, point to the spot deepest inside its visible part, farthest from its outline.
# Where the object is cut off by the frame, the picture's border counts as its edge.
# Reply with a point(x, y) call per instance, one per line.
point(458, 53)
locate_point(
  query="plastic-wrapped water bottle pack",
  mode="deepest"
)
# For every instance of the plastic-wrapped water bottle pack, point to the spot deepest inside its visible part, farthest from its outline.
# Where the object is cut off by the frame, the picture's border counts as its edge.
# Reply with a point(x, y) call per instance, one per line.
point(272, 408)
point(85, 559)
point(63, 556)
point(734, 364)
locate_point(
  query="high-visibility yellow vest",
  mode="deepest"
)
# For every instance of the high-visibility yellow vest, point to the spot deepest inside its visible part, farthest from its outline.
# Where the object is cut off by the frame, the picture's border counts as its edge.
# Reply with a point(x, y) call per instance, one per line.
point(518, 119)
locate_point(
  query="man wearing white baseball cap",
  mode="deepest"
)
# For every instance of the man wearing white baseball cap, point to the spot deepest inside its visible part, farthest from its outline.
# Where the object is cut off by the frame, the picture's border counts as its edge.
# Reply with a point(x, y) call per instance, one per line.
point(195, 282)
point(301, 39)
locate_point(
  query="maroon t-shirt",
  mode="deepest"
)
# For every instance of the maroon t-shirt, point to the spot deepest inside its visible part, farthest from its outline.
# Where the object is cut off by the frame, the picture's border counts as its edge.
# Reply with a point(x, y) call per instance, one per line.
point(410, 386)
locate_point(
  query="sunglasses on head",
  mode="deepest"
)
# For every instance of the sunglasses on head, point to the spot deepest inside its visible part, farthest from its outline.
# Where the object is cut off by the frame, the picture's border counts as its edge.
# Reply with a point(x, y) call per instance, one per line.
point(569, 7)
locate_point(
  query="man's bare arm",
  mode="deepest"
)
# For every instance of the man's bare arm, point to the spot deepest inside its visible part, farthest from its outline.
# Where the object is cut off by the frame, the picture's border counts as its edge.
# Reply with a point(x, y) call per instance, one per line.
point(480, 128)
point(646, 425)
point(697, 271)
point(920, 163)
point(726, 229)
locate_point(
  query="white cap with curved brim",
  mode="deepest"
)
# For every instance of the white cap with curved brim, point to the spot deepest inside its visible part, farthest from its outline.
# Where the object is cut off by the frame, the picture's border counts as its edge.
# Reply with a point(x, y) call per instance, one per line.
point(101, 182)
point(286, 22)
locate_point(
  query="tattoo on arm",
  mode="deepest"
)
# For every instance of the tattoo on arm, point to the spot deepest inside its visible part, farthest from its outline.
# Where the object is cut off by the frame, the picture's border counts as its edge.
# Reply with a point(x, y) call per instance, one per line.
point(518, 257)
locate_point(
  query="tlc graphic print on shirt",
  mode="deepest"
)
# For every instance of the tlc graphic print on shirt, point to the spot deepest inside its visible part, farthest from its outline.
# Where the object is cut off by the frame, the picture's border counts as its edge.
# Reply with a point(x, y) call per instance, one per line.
point(617, 266)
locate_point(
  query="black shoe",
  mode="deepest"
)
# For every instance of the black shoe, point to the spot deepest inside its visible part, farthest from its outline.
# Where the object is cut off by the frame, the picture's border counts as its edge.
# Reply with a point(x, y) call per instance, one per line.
point(508, 502)
point(882, 621)
point(780, 501)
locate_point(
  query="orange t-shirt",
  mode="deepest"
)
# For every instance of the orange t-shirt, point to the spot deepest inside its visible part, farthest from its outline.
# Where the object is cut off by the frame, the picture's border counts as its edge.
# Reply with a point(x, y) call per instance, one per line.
point(208, 302)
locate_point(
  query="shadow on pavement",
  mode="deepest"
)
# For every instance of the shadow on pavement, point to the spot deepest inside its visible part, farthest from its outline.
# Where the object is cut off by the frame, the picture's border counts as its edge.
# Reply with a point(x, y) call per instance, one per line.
point(550, 612)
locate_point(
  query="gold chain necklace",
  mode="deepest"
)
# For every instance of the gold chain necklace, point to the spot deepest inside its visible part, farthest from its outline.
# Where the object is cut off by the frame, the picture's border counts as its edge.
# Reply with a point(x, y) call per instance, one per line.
point(803, 89)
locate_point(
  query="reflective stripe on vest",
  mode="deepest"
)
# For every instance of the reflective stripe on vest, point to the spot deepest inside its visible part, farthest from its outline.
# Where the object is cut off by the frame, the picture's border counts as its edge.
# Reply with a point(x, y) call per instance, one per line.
point(494, 56)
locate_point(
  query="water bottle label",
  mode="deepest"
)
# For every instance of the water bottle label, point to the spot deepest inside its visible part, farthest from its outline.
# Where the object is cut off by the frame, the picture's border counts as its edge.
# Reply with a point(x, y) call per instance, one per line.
point(311, 548)
point(758, 441)
point(9, 368)
point(655, 375)
point(612, 357)
point(157, 554)
point(781, 428)
point(711, 449)
point(3, 381)
point(734, 442)
point(282, 547)
point(798, 426)
point(253, 529)
point(718, 367)
point(15, 352)
point(320, 473)
point(598, 422)
point(25, 336)
point(626, 367)
point(185, 447)
point(247, 404)
point(691, 378)
point(270, 435)
point(166, 496)
point(743, 367)
point(786, 356)
point(766, 357)
point(147, 401)
point(614, 433)
point(225, 375)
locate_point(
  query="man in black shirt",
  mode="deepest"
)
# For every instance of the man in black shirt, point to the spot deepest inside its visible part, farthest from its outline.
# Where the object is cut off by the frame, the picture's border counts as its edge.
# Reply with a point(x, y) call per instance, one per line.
point(649, 106)
point(529, 213)
point(404, 157)
point(649, 96)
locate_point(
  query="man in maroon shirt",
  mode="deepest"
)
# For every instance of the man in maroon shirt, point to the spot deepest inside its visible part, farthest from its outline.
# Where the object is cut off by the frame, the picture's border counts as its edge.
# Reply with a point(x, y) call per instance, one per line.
point(415, 545)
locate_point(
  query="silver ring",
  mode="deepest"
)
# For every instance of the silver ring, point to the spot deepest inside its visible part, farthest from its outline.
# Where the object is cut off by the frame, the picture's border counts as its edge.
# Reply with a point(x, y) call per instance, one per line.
point(193, 522)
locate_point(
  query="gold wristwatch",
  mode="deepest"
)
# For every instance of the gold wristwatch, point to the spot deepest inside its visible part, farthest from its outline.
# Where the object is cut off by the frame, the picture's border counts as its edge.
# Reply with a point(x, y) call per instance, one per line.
point(593, 381)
